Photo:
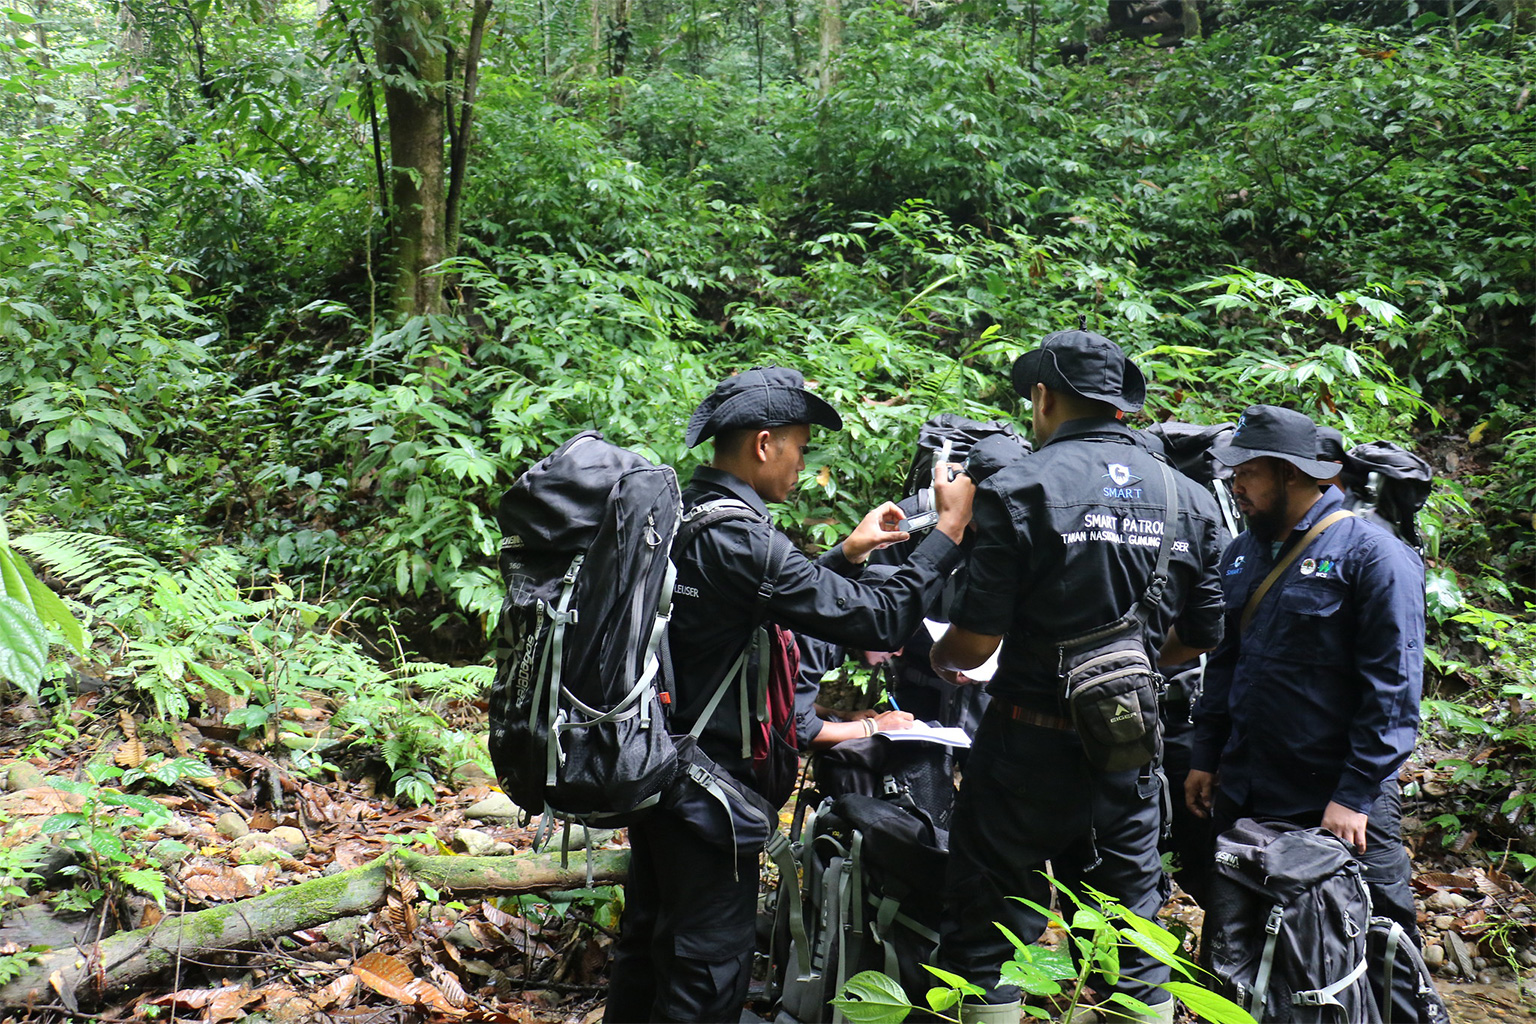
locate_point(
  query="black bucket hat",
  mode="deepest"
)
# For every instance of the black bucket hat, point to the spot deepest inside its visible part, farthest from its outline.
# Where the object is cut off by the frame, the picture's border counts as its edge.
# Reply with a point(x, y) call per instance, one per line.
point(768, 396)
point(1082, 363)
point(1268, 431)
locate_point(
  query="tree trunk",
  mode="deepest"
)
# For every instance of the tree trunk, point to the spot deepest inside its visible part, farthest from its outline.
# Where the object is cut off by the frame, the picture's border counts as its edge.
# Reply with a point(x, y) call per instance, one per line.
point(459, 152)
point(831, 41)
point(1192, 27)
point(129, 959)
point(407, 49)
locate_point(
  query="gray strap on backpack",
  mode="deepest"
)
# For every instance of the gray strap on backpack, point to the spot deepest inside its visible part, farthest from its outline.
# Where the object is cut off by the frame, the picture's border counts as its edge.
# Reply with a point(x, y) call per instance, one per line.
point(695, 522)
point(1394, 938)
point(562, 616)
point(782, 853)
point(1266, 961)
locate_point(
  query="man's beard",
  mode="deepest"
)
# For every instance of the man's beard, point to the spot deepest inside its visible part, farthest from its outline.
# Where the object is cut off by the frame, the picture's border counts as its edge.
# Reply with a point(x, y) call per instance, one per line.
point(1266, 523)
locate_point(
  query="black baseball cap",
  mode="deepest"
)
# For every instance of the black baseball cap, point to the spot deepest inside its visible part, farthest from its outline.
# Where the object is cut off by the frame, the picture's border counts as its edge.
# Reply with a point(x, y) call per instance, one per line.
point(1082, 363)
point(768, 396)
point(1268, 431)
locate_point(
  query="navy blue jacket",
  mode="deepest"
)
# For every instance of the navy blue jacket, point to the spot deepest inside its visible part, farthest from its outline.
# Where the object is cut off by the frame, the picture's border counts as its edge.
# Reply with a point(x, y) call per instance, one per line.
point(1319, 700)
point(1066, 541)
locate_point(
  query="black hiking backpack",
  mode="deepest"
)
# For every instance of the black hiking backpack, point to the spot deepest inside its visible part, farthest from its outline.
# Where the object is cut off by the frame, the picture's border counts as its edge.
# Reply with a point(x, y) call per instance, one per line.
point(576, 709)
point(866, 897)
point(1286, 929)
point(1387, 484)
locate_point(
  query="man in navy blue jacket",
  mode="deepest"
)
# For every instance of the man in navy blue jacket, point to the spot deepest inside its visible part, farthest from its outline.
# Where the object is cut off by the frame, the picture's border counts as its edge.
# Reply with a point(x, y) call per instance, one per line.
point(1311, 701)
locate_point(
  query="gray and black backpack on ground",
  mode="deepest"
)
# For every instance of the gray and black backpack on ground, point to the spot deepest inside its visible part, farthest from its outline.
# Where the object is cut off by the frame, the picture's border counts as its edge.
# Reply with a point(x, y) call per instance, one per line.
point(1286, 928)
point(1398, 967)
point(919, 776)
point(868, 899)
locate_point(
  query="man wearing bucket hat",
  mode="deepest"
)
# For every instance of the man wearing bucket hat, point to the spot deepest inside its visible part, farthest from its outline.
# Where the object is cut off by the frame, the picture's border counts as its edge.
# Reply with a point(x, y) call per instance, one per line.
point(690, 902)
point(1311, 702)
point(1067, 541)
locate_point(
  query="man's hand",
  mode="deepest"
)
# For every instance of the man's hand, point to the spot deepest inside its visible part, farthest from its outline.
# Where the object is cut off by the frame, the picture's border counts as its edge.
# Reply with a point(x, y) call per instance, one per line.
point(875, 530)
point(885, 721)
point(1348, 825)
point(1199, 792)
point(953, 499)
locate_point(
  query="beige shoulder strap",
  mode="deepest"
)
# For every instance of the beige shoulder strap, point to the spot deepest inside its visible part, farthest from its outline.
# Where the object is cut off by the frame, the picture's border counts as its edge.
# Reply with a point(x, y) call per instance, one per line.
point(1285, 563)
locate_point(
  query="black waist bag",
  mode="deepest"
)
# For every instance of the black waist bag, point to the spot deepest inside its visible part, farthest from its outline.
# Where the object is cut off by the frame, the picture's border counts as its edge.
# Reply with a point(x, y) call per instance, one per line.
point(1110, 686)
point(1112, 693)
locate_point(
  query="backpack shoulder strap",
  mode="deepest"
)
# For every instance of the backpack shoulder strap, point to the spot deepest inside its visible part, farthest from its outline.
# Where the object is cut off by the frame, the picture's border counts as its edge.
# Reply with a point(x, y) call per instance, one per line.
point(706, 514)
point(1285, 563)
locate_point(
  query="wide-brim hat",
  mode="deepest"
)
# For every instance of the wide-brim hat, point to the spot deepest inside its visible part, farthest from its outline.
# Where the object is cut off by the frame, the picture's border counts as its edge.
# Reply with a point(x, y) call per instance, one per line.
point(1268, 431)
point(1082, 363)
point(768, 396)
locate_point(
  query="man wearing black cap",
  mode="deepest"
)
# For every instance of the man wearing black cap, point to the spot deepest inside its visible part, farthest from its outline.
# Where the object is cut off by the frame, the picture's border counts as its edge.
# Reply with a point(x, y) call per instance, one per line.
point(1311, 702)
point(1067, 541)
point(690, 902)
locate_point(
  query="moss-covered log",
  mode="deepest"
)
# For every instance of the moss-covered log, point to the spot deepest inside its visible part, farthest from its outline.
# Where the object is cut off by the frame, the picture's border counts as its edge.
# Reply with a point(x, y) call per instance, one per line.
point(126, 960)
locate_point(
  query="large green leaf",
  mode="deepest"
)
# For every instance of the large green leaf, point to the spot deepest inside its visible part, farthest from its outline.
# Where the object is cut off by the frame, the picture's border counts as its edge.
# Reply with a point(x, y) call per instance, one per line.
point(54, 613)
point(1207, 1004)
point(872, 998)
point(23, 645)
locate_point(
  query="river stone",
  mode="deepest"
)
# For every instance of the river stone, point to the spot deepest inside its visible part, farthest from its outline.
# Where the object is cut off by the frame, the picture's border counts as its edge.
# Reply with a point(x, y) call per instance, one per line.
point(168, 851)
point(464, 937)
point(1444, 901)
point(1434, 956)
point(495, 806)
point(1527, 957)
point(231, 826)
point(467, 774)
point(478, 844)
point(1444, 922)
point(290, 840)
point(22, 775)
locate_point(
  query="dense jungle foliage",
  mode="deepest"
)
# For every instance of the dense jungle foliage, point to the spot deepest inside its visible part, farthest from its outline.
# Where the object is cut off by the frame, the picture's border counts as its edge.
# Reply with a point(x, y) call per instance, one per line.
point(262, 473)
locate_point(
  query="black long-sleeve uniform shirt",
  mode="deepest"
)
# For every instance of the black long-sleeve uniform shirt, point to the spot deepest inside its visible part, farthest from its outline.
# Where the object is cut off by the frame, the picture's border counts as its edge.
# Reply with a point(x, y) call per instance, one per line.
point(1066, 541)
point(716, 594)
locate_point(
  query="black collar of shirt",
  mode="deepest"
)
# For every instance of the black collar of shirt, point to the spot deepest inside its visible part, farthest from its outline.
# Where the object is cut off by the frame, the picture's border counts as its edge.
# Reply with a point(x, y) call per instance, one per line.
point(733, 485)
point(1099, 428)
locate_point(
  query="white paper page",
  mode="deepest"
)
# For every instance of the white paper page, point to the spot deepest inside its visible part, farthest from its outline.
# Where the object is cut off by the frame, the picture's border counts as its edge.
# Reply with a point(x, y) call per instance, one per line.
point(922, 732)
point(983, 672)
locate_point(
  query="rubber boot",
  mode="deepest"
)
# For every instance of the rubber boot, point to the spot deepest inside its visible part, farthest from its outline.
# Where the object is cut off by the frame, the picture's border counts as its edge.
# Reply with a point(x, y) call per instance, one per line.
point(1162, 1013)
point(990, 1013)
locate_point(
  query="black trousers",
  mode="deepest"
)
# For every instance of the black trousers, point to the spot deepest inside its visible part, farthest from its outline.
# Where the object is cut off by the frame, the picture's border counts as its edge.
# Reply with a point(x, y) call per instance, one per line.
point(1029, 797)
point(1385, 865)
point(685, 942)
point(1189, 838)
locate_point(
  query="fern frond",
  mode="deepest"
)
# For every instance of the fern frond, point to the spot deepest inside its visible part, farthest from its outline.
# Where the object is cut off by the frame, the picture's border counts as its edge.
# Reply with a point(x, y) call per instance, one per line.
point(99, 566)
point(448, 682)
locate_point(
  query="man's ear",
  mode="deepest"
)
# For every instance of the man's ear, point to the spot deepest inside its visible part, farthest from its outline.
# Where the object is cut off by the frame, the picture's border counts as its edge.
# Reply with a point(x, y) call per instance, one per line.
point(762, 441)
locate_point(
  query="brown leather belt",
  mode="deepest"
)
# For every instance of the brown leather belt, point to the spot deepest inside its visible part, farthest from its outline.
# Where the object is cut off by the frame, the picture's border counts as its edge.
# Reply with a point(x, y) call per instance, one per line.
point(1029, 717)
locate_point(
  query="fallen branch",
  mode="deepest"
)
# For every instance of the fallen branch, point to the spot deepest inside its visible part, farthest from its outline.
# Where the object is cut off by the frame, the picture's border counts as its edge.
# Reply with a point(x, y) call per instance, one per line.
point(127, 959)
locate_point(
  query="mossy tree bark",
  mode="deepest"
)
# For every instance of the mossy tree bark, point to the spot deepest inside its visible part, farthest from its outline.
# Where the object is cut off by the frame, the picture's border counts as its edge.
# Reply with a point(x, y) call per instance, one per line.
point(413, 63)
point(128, 959)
